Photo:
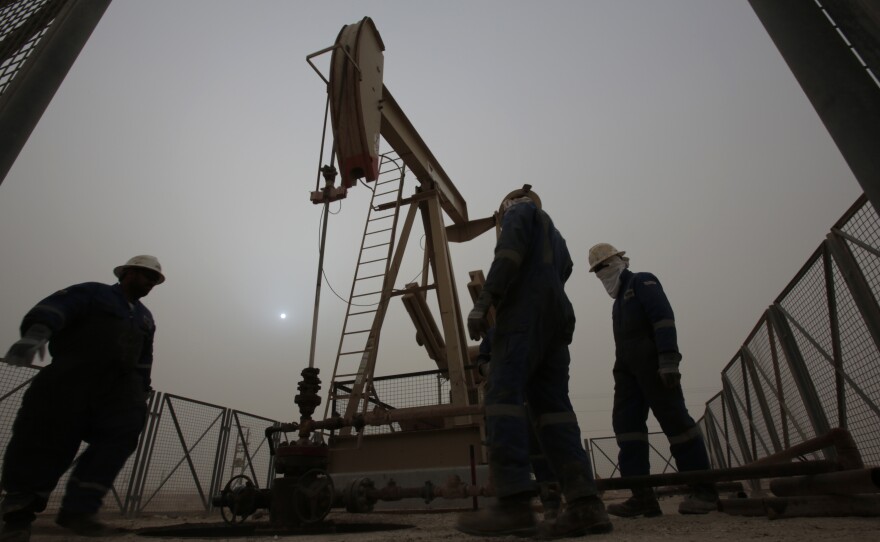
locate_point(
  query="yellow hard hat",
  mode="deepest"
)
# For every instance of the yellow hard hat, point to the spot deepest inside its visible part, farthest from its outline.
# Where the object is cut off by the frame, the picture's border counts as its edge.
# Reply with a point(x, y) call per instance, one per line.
point(601, 252)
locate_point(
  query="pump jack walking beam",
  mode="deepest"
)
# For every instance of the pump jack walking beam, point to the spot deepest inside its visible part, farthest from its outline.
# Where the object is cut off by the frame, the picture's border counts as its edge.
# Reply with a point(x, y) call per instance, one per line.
point(362, 110)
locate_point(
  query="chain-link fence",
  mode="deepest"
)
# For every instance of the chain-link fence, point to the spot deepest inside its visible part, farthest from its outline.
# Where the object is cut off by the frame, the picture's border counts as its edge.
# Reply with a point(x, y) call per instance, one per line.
point(603, 452)
point(22, 26)
point(427, 388)
point(186, 454)
point(810, 363)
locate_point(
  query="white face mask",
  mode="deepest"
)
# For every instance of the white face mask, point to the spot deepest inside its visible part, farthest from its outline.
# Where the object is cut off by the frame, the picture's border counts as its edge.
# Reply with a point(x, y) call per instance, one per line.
point(610, 276)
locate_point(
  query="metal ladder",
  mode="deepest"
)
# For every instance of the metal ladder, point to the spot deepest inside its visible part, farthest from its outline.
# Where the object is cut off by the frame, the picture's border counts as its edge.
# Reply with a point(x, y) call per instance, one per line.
point(356, 354)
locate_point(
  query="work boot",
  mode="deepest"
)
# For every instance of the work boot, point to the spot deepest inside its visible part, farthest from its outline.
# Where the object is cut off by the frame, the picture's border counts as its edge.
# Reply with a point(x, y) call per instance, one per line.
point(15, 532)
point(642, 503)
point(509, 516)
point(18, 514)
point(551, 500)
point(83, 524)
point(581, 517)
point(551, 508)
point(702, 500)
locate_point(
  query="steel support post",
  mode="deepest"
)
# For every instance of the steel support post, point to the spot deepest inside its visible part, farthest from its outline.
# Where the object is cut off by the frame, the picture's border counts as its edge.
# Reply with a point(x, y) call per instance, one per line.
point(738, 428)
point(450, 311)
point(858, 286)
point(219, 457)
point(748, 404)
point(712, 436)
point(145, 454)
point(31, 90)
point(728, 447)
point(749, 363)
point(835, 336)
point(800, 374)
point(780, 391)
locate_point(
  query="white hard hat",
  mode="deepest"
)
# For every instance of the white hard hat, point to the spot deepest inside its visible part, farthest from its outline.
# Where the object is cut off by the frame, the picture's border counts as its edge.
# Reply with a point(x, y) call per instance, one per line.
point(601, 252)
point(145, 261)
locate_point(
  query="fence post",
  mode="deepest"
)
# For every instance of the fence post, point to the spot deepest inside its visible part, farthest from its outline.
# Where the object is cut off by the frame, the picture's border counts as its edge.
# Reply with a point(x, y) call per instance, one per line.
point(727, 389)
point(801, 375)
point(748, 403)
point(219, 458)
point(738, 428)
point(749, 364)
point(858, 286)
point(712, 436)
point(780, 391)
point(145, 453)
point(835, 335)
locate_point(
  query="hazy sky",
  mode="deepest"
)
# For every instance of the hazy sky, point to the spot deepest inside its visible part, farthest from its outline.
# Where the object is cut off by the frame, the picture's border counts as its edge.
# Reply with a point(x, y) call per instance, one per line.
point(191, 130)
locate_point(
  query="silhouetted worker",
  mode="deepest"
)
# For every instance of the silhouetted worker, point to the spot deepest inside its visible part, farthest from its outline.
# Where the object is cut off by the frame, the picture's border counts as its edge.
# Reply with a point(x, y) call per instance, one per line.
point(646, 376)
point(94, 391)
point(530, 361)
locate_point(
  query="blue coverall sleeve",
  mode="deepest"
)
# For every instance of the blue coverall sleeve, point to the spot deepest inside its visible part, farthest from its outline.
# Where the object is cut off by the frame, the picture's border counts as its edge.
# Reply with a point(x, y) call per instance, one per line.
point(60, 309)
point(145, 364)
point(511, 249)
point(650, 293)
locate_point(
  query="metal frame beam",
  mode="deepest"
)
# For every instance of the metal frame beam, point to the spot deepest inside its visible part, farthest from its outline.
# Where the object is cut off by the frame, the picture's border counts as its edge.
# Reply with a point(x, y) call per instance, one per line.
point(399, 132)
point(749, 363)
point(800, 373)
point(841, 90)
point(31, 90)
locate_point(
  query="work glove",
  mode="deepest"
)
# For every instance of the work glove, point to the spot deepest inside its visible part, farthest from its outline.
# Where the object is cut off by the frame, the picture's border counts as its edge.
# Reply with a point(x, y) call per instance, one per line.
point(477, 320)
point(668, 371)
point(483, 368)
point(22, 353)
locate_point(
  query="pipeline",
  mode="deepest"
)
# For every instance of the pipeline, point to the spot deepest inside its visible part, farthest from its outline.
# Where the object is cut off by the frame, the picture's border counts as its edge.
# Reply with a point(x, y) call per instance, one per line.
point(804, 506)
point(848, 482)
point(377, 417)
point(845, 448)
point(747, 472)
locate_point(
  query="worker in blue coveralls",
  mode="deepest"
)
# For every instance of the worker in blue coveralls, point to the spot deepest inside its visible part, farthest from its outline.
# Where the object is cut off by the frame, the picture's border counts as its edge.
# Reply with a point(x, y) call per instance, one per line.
point(534, 324)
point(95, 390)
point(646, 376)
point(548, 487)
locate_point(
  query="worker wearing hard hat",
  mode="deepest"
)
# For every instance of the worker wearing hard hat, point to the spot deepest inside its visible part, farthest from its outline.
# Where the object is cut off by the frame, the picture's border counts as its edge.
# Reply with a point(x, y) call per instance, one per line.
point(534, 323)
point(94, 390)
point(646, 376)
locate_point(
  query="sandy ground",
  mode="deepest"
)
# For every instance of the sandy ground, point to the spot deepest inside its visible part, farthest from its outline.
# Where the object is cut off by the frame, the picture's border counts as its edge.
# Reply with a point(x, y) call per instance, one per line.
point(424, 527)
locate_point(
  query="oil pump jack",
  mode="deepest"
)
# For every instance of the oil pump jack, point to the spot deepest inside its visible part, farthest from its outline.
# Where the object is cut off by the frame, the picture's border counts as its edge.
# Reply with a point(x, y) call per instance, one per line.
point(363, 111)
